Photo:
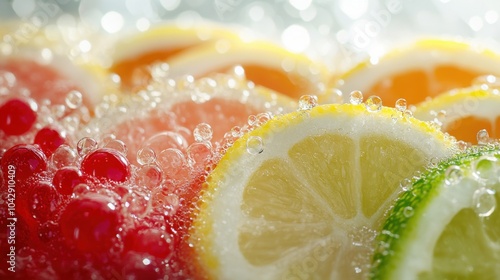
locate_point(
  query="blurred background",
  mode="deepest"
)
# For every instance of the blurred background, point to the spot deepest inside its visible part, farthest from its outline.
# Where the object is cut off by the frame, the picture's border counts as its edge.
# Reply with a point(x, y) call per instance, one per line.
point(339, 32)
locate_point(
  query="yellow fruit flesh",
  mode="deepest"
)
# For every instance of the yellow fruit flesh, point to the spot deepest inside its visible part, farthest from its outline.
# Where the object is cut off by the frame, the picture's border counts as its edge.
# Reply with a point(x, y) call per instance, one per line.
point(304, 211)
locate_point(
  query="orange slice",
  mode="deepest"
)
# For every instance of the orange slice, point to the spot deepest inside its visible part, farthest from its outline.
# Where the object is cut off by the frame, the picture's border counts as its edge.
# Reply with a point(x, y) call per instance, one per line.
point(134, 54)
point(464, 112)
point(423, 70)
point(264, 63)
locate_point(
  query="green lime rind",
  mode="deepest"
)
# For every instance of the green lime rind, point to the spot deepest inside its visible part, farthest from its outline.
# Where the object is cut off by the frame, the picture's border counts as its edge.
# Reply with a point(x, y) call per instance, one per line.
point(393, 236)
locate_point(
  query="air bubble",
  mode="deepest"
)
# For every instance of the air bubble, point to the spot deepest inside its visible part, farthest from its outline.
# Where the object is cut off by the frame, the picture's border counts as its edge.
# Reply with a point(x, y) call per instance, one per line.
point(74, 99)
point(159, 71)
point(145, 156)
point(307, 102)
point(484, 168)
point(488, 81)
point(483, 138)
point(149, 176)
point(165, 201)
point(255, 145)
point(137, 204)
point(406, 184)
point(356, 97)
point(401, 105)
point(373, 103)
point(86, 145)
point(80, 189)
point(202, 132)
point(484, 202)
point(173, 163)
point(199, 154)
point(408, 211)
point(453, 175)
point(408, 114)
point(117, 145)
point(64, 155)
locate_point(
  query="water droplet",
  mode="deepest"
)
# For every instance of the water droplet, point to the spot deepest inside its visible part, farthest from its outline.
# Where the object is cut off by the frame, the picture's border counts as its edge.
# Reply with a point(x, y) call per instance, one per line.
point(487, 82)
point(356, 97)
point(401, 105)
point(407, 114)
point(441, 116)
point(373, 103)
point(262, 118)
point(202, 132)
point(406, 184)
point(86, 145)
point(484, 202)
point(307, 102)
point(74, 99)
point(484, 168)
point(483, 138)
point(255, 145)
point(453, 175)
point(145, 156)
point(408, 211)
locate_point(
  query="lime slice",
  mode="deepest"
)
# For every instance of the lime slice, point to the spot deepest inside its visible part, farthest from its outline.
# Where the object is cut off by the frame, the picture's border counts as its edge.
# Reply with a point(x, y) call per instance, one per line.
point(447, 226)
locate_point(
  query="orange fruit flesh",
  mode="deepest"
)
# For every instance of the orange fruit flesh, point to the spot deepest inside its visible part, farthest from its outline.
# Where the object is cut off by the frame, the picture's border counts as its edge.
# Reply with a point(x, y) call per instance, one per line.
point(126, 69)
point(416, 85)
point(289, 84)
point(466, 128)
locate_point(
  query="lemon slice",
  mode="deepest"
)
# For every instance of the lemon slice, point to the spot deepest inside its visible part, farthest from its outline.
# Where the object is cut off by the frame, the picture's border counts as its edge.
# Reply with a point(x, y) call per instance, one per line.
point(448, 225)
point(464, 112)
point(302, 196)
point(425, 69)
point(264, 63)
point(158, 44)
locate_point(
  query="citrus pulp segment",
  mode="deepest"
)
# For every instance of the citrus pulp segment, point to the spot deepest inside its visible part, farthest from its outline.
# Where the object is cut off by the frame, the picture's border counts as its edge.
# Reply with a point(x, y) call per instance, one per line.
point(464, 112)
point(423, 70)
point(447, 226)
point(303, 195)
point(263, 63)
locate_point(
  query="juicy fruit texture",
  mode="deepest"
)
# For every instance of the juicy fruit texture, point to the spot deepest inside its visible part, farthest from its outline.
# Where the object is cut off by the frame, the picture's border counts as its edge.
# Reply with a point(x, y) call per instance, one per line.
point(427, 69)
point(264, 64)
point(307, 192)
point(448, 225)
point(464, 112)
point(156, 45)
point(111, 195)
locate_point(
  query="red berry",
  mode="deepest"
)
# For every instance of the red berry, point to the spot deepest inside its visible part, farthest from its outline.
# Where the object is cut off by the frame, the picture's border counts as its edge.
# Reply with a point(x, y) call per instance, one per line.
point(152, 241)
point(107, 164)
point(16, 117)
point(49, 140)
point(44, 201)
point(66, 179)
point(22, 161)
point(90, 223)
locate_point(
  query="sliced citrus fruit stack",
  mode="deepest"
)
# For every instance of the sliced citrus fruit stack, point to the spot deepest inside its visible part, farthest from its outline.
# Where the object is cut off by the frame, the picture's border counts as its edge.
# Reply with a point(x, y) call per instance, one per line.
point(464, 112)
point(304, 194)
point(448, 225)
point(423, 70)
point(159, 44)
point(264, 63)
